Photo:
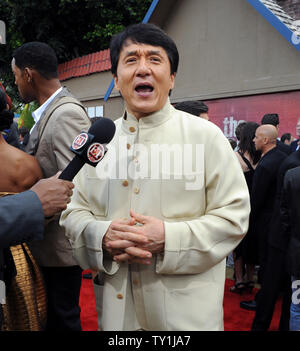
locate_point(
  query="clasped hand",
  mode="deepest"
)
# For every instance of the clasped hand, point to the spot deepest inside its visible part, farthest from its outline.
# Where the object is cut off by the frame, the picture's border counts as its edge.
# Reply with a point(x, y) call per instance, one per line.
point(134, 240)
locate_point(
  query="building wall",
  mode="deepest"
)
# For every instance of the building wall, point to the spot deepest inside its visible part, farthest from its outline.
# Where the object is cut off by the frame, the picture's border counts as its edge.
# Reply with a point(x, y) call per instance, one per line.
point(90, 90)
point(227, 49)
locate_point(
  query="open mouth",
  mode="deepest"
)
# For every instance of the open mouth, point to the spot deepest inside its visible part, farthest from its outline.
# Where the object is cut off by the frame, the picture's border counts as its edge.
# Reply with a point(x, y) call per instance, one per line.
point(144, 88)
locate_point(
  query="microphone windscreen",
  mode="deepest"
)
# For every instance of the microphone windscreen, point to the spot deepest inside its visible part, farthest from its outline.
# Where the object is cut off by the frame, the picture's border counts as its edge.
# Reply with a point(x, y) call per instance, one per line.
point(103, 130)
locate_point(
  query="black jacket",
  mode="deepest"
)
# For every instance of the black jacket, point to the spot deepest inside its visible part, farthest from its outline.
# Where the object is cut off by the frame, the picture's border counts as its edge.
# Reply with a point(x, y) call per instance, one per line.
point(264, 184)
point(276, 236)
point(294, 145)
point(13, 136)
point(290, 218)
point(263, 198)
point(283, 147)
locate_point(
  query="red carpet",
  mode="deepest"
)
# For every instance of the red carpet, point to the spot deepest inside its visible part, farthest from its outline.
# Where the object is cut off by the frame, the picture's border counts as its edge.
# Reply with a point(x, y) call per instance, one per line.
point(87, 305)
point(238, 319)
point(235, 318)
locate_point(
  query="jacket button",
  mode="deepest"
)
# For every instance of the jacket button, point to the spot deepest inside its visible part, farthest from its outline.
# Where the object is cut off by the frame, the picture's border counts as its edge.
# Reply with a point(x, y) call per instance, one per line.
point(132, 129)
point(128, 146)
point(125, 183)
point(136, 190)
point(120, 296)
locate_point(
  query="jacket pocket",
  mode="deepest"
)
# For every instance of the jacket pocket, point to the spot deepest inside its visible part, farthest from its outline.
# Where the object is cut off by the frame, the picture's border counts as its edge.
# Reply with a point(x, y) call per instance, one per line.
point(195, 308)
point(182, 195)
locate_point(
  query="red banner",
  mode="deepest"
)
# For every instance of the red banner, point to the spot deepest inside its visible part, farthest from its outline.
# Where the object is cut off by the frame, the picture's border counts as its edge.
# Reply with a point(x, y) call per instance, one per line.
point(226, 113)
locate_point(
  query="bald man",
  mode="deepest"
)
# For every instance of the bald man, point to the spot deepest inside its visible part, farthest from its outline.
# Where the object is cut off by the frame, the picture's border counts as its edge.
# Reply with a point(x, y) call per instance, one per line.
point(263, 197)
point(265, 138)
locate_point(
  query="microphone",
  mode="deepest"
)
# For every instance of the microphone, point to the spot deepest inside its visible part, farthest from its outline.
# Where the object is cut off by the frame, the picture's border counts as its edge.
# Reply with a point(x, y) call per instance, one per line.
point(89, 147)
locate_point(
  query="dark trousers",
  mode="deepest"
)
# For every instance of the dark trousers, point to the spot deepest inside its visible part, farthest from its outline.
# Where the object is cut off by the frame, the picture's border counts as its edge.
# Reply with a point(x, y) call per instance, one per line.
point(63, 290)
point(274, 280)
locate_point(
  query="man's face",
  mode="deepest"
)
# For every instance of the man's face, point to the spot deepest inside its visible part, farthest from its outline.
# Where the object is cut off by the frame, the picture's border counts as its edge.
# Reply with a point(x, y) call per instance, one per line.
point(298, 129)
point(258, 140)
point(22, 80)
point(144, 78)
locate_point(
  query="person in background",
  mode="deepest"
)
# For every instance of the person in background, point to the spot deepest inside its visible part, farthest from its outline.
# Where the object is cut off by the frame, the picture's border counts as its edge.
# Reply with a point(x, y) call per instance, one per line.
point(286, 138)
point(23, 137)
point(263, 199)
point(277, 281)
point(290, 214)
point(58, 120)
point(295, 144)
point(248, 157)
point(29, 209)
point(22, 215)
point(238, 131)
point(273, 119)
point(20, 171)
point(194, 107)
point(10, 133)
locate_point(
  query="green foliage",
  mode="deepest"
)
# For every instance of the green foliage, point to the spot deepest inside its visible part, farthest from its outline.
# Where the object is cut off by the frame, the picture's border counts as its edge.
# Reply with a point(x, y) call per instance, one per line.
point(26, 119)
point(72, 27)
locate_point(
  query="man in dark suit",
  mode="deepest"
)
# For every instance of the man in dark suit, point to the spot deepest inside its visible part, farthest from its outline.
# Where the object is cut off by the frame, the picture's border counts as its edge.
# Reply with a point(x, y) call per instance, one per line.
point(290, 219)
point(59, 119)
point(22, 216)
point(276, 278)
point(273, 119)
point(294, 144)
point(263, 197)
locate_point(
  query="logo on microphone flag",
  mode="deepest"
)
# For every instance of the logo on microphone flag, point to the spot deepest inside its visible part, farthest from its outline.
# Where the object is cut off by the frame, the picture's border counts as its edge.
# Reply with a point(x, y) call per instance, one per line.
point(95, 152)
point(80, 141)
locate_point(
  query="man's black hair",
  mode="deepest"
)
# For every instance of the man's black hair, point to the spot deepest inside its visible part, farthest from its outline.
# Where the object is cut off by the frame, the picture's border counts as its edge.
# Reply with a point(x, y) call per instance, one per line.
point(286, 136)
point(38, 56)
point(143, 33)
point(192, 107)
point(270, 118)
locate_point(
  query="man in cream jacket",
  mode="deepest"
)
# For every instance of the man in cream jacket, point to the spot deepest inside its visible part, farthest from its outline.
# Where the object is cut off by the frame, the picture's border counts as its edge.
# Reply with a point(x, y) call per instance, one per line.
point(160, 213)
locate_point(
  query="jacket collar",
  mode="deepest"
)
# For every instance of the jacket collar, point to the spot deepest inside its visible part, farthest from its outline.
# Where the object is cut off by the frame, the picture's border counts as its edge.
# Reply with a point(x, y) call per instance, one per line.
point(270, 152)
point(151, 121)
point(31, 147)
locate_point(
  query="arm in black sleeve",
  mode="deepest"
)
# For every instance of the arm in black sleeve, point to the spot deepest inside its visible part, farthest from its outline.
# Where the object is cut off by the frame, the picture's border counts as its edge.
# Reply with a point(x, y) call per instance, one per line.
point(261, 181)
point(285, 216)
point(21, 219)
